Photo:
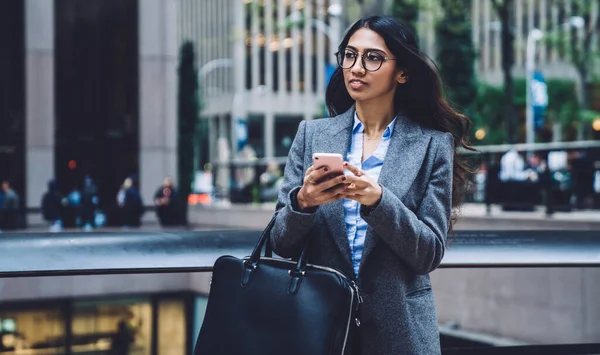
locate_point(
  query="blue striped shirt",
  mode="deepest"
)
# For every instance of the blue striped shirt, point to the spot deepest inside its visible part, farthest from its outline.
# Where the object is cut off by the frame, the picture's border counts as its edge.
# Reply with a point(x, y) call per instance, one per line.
point(356, 227)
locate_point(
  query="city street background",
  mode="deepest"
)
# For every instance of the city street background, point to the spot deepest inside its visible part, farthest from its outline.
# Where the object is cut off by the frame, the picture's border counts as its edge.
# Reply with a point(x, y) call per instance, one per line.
point(164, 116)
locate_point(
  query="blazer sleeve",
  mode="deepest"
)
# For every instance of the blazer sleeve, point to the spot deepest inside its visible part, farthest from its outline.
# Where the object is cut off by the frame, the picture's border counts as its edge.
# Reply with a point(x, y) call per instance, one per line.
point(419, 238)
point(291, 226)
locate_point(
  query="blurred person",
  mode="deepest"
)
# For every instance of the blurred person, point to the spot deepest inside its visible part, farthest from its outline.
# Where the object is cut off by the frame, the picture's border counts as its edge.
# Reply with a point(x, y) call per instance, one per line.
point(492, 192)
point(516, 179)
point(168, 204)
point(72, 208)
point(10, 208)
point(582, 170)
point(1, 210)
point(383, 223)
point(512, 167)
point(245, 175)
point(121, 339)
point(129, 201)
point(270, 183)
point(89, 203)
point(122, 191)
point(596, 185)
point(52, 207)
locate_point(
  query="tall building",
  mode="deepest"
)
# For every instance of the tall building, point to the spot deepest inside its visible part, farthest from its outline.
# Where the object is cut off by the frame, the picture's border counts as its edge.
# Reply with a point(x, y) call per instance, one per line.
point(264, 63)
point(89, 87)
point(549, 16)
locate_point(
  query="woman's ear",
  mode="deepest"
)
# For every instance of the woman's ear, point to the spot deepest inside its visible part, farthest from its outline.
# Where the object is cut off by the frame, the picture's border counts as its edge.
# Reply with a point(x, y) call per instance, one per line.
point(402, 77)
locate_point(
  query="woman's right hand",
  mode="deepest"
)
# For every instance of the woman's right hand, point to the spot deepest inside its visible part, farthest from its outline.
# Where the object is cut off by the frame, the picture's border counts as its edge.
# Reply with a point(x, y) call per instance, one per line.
point(318, 190)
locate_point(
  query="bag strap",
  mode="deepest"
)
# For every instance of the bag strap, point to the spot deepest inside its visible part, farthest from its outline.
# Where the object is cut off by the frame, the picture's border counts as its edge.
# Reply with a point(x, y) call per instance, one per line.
point(264, 241)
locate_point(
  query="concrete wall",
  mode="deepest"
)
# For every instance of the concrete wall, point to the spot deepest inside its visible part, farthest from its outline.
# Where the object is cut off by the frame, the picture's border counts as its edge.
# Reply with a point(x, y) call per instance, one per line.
point(39, 97)
point(158, 93)
point(35, 288)
point(547, 306)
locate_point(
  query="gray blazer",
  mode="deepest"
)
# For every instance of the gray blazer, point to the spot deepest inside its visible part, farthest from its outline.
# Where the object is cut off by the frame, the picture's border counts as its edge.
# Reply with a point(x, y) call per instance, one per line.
point(406, 233)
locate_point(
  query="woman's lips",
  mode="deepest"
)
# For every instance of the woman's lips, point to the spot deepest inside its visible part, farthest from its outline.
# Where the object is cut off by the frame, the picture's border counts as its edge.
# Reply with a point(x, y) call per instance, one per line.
point(356, 84)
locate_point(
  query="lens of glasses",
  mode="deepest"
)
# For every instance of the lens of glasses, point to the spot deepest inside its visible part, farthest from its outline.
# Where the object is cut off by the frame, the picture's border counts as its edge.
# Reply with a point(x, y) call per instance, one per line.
point(371, 61)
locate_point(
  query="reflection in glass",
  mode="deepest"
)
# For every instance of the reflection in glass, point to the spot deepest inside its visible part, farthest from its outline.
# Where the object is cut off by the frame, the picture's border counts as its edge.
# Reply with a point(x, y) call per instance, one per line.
point(171, 327)
point(285, 131)
point(32, 332)
point(120, 327)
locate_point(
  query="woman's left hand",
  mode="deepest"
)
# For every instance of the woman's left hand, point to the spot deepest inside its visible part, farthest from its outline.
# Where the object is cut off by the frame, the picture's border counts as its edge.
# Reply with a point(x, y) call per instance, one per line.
point(361, 187)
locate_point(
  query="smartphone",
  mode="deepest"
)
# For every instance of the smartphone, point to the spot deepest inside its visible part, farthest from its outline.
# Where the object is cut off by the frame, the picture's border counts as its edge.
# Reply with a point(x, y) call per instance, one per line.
point(333, 161)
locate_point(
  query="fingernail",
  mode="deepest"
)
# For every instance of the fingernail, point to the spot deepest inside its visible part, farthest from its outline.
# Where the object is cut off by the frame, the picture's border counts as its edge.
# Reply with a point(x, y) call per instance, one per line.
point(343, 178)
point(345, 164)
point(325, 169)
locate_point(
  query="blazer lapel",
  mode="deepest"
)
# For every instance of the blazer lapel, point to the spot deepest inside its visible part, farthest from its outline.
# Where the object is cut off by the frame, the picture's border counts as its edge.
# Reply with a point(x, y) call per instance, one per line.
point(336, 139)
point(403, 160)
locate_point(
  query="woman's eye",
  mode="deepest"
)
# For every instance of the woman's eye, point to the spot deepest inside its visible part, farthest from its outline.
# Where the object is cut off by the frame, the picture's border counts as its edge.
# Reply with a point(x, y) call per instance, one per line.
point(374, 57)
point(349, 54)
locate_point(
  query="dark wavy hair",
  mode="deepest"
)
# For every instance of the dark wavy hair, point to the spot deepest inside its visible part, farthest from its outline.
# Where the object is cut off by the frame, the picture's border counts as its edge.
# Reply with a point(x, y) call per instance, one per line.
point(421, 98)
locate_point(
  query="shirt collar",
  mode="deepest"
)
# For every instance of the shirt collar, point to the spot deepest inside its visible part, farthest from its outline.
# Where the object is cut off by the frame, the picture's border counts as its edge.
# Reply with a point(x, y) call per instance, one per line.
point(358, 127)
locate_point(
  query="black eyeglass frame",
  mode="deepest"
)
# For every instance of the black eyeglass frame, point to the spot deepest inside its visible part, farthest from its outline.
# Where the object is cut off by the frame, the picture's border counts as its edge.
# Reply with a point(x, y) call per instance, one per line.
point(362, 59)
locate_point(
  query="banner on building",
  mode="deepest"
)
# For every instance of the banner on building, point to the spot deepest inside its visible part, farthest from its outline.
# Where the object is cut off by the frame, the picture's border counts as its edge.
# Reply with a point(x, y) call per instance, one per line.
point(539, 99)
point(329, 69)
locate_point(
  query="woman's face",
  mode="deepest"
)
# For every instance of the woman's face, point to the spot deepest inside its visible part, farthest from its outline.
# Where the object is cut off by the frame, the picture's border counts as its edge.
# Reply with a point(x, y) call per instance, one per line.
point(367, 85)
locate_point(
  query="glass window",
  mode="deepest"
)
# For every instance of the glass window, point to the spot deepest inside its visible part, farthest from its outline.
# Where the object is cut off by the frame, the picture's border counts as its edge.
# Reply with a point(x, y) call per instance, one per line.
point(200, 304)
point(121, 326)
point(256, 134)
point(25, 331)
point(171, 328)
point(285, 131)
point(12, 95)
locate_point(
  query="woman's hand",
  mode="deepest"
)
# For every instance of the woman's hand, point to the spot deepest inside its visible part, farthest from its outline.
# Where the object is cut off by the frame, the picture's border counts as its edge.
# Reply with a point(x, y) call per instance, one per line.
point(317, 189)
point(362, 188)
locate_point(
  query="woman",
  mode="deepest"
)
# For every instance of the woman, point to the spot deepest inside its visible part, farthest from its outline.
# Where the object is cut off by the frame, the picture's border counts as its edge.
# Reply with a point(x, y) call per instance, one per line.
point(384, 223)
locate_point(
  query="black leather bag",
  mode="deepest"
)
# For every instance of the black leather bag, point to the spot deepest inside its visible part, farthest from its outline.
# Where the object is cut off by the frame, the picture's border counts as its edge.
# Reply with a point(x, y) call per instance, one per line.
point(271, 306)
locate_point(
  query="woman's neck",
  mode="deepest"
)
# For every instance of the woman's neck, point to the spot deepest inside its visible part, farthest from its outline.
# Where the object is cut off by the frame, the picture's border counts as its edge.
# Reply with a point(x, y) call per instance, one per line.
point(375, 117)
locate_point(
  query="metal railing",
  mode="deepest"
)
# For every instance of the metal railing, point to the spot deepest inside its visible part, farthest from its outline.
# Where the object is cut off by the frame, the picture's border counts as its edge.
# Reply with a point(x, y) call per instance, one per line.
point(43, 254)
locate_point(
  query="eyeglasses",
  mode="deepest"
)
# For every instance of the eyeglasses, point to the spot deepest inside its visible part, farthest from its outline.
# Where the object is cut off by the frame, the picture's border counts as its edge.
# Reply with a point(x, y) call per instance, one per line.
point(371, 60)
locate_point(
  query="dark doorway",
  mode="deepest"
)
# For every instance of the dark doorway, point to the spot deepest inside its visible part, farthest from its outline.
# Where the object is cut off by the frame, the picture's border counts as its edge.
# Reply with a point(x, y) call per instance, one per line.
point(12, 94)
point(96, 66)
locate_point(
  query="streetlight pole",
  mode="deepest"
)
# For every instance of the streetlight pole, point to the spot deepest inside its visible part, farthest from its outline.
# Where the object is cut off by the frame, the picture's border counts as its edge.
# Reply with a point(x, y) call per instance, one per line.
point(532, 38)
point(332, 31)
point(221, 146)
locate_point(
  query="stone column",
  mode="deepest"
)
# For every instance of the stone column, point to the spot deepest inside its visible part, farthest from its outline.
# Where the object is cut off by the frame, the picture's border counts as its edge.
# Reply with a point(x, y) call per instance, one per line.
point(39, 97)
point(269, 132)
point(158, 53)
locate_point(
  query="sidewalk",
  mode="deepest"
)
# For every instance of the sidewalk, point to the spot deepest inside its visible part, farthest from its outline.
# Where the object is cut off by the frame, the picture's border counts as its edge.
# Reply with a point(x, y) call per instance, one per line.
point(472, 216)
point(479, 210)
point(256, 216)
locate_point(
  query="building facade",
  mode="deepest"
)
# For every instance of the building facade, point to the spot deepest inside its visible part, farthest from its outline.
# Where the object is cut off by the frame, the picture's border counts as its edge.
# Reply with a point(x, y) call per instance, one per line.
point(91, 91)
point(89, 87)
point(263, 67)
point(549, 16)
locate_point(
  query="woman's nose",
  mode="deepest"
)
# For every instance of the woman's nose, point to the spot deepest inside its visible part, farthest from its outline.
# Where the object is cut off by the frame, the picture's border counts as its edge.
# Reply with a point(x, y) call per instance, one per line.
point(358, 68)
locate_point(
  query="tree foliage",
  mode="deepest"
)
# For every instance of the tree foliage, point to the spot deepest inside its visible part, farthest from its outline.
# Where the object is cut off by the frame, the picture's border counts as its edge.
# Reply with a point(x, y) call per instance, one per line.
point(563, 107)
point(406, 11)
point(574, 38)
point(505, 10)
point(187, 114)
point(456, 54)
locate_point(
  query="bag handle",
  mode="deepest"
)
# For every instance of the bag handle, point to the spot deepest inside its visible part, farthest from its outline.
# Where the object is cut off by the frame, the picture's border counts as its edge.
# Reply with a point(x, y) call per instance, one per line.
point(252, 262)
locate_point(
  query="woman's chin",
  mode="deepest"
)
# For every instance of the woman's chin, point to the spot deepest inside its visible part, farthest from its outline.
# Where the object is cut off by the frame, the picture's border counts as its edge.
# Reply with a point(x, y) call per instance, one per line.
point(357, 96)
